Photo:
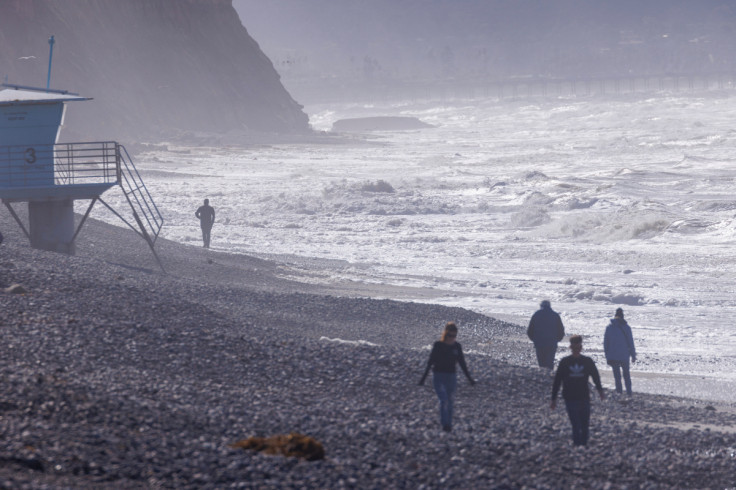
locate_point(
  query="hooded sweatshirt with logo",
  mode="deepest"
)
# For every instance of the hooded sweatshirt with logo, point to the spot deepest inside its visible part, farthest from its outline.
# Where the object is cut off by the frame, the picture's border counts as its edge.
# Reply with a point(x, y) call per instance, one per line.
point(573, 373)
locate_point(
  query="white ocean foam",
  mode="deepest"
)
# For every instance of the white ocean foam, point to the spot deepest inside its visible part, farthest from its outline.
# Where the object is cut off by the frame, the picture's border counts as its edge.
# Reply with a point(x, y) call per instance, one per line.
point(501, 205)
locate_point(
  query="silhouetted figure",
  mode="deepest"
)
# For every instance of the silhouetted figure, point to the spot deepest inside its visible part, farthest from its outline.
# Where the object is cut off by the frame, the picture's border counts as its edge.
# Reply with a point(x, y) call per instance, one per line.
point(618, 344)
point(445, 354)
point(573, 372)
point(206, 215)
point(545, 330)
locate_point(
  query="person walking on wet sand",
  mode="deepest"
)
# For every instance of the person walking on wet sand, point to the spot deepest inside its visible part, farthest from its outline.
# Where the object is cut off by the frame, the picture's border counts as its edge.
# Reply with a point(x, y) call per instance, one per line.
point(545, 330)
point(446, 353)
point(618, 344)
point(572, 373)
point(206, 216)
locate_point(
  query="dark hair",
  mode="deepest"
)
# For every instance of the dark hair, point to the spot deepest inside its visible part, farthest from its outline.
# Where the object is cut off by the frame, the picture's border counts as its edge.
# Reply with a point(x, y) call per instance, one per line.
point(576, 340)
point(619, 313)
point(449, 327)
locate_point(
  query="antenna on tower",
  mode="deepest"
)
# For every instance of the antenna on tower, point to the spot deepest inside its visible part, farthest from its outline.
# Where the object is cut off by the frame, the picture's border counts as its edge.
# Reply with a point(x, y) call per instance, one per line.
point(51, 55)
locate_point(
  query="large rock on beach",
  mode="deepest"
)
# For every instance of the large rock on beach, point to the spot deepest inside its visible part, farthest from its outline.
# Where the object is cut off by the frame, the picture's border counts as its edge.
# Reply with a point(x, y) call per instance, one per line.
point(379, 123)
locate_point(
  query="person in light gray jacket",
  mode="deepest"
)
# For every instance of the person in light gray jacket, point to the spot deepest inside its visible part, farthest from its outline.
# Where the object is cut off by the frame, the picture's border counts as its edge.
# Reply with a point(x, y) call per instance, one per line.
point(618, 345)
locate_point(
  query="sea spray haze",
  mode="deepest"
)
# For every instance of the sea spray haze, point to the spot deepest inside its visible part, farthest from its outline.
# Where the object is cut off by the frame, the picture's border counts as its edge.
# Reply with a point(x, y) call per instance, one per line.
point(593, 203)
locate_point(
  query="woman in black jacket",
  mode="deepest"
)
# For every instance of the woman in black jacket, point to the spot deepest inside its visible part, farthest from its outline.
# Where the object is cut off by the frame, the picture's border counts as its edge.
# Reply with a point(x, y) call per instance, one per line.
point(446, 353)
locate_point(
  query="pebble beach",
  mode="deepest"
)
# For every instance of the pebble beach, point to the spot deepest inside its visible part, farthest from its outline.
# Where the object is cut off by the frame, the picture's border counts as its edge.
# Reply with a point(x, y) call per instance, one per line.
point(114, 374)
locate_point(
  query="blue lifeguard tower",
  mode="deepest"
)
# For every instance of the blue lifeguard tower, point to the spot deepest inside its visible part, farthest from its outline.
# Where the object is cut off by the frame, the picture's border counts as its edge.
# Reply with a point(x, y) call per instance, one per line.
point(49, 176)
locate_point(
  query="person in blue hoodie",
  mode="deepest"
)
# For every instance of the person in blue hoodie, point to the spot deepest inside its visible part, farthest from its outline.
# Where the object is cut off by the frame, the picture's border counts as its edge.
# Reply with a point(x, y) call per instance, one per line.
point(545, 330)
point(618, 345)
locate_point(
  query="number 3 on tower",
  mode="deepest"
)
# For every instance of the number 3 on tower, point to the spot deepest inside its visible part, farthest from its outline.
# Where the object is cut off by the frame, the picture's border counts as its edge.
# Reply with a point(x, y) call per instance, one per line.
point(30, 155)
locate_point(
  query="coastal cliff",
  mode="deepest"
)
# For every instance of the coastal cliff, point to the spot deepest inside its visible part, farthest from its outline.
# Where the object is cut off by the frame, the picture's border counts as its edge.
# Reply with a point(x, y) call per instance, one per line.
point(156, 69)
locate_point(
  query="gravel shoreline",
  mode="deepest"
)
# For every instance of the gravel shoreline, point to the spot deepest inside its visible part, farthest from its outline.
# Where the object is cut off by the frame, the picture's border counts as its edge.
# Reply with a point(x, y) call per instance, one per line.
point(115, 375)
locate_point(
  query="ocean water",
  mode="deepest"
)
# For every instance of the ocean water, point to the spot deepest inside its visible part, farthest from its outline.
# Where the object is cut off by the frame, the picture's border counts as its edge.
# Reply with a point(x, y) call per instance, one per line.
point(592, 203)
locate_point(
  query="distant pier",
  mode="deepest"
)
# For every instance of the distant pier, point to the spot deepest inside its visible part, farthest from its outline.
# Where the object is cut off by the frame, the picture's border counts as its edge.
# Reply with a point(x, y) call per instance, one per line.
point(334, 90)
point(521, 88)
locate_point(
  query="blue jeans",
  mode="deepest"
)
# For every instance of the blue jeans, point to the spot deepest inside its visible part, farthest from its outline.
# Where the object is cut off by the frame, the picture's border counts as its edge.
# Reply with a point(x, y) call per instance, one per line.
point(546, 355)
point(445, 385)
point(619, 366)
point(579, 413)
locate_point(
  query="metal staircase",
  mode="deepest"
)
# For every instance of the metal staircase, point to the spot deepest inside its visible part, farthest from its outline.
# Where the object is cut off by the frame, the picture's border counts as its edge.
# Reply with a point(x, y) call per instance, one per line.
point(145, 213)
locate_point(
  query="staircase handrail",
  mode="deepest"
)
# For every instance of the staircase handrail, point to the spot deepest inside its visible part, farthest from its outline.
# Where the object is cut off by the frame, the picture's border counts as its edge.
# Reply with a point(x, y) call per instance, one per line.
point(138, 195)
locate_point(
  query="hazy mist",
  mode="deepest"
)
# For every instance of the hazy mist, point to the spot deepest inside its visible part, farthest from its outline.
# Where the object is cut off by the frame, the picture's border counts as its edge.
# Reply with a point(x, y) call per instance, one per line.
point(384, 41)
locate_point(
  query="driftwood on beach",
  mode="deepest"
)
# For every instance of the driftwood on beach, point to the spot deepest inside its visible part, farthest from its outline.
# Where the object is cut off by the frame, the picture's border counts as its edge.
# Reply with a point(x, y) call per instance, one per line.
point(114, 375)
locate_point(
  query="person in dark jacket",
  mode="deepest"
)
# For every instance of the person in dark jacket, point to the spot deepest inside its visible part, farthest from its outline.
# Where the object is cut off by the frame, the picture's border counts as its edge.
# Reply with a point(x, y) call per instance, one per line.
point(618, 344)
point(572, 373)
point(545, 330)
point(446, 353)
point(206, 216)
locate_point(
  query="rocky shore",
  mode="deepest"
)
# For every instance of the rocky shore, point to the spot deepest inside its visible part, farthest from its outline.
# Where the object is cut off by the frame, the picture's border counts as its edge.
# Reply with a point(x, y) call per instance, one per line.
point(115, 375)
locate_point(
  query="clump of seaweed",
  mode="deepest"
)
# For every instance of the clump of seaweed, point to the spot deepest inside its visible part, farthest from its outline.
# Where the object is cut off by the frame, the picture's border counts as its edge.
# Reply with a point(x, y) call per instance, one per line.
point(292, 445)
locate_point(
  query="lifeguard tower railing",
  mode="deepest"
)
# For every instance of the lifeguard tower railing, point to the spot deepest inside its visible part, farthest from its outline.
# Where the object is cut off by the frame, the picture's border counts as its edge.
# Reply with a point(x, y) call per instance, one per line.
point(72, 164)
point(79, 170)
